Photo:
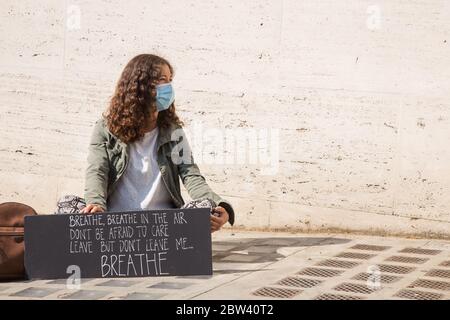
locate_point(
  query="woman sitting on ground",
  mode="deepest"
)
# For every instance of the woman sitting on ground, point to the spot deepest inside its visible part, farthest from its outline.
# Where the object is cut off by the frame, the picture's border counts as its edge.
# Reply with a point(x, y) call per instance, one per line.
point(138, 149)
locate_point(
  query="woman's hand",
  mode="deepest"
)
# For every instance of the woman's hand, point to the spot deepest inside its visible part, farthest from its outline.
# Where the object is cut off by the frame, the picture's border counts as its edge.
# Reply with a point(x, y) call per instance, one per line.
point(218, 218)
point(92, 208)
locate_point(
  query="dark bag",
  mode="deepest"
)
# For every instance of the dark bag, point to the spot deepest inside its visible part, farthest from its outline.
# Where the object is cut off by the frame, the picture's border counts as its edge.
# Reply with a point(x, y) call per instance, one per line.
point(12, 216)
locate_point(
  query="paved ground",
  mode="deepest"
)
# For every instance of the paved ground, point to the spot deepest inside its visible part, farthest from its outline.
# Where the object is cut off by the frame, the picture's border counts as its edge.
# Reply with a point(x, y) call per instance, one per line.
point(250, 265)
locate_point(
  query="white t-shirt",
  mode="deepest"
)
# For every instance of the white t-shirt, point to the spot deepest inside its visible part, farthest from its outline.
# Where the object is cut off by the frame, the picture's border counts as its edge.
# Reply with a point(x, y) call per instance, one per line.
point(141, 185)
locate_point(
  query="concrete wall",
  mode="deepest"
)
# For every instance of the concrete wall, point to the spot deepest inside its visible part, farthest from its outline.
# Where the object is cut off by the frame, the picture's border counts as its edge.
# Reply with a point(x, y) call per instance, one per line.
point(354, 93)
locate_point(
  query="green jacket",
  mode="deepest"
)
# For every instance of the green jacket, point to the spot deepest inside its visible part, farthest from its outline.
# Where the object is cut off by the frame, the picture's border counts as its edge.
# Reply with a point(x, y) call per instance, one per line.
point(108, 159)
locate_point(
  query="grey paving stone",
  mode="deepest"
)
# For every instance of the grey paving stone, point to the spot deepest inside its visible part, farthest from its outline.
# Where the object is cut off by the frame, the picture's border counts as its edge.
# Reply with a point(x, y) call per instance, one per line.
point(222, 247)
point(241, 258)
point(143, 296)
point(86, 295)
point(117, 283)
point(232, 271)
point(171, 285)
point(235, 265)
point(64, 281)
point(262, 249)
point(34, 292)
point(282, 242)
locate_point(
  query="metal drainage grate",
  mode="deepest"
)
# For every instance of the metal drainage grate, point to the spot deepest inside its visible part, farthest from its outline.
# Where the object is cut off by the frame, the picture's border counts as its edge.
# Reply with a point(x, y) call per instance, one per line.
point(439, 273)
point(276, 292)
point(445, 263)
point(352, 287)
point(420, 251)
point(407, 259)
point(431, 284)
point(369, 247)
point(384, 278)
point(338, 264)
point(355, 255)
point(418, 295)
point(299, 282)
point(395, 269)
point(332, 296)
point(320, 272)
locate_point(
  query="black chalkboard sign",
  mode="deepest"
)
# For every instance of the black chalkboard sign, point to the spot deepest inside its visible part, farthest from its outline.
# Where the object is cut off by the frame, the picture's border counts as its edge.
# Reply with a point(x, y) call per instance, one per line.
point(119, 244)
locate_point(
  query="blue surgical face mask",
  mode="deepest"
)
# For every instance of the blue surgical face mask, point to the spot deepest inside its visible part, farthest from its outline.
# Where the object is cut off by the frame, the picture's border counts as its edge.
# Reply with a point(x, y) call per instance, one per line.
point(164, 96)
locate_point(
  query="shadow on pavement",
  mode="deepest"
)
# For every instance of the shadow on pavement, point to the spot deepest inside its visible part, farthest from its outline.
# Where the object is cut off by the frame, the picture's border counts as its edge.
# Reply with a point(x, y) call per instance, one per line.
point(261, 250)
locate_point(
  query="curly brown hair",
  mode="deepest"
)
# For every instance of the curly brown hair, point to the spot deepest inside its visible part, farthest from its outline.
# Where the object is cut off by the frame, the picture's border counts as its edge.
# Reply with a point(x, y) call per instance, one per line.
point(134, 99)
